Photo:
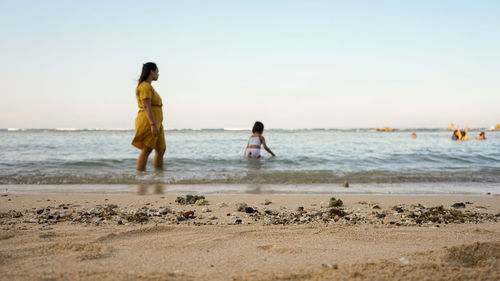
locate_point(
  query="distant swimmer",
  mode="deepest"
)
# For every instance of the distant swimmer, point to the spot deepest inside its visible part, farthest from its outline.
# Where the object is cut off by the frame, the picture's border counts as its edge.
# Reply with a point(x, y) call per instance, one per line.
point(413, 136)
point(256, 140)
point(459, 135)
point(482, 136)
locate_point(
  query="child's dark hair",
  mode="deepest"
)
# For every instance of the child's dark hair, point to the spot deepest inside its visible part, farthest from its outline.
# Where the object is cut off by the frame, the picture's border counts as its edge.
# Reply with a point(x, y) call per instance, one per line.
point(258, 127)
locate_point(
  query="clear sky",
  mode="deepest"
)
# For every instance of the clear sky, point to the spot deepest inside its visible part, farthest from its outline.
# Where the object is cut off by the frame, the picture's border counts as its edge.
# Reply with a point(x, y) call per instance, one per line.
point(290, 64)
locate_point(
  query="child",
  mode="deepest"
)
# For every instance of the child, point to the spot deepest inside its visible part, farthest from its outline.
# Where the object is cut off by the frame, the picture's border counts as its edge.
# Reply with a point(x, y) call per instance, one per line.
point(255, 141)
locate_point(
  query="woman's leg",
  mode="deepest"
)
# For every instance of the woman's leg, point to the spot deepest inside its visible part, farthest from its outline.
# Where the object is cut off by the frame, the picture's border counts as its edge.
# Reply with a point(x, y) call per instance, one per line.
point(143, 158)
point(158, 160)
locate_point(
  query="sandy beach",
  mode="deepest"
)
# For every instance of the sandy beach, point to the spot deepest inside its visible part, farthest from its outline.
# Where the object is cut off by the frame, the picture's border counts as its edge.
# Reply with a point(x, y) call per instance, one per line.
point(250, 140)
point(273, 237)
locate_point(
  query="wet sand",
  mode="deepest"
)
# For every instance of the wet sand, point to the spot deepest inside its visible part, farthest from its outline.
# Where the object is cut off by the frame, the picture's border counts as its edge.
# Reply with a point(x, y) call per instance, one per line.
point(151, 237)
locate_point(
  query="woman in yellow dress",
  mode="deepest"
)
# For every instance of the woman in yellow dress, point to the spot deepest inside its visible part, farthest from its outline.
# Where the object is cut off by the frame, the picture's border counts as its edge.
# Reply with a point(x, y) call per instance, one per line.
point(149, 133)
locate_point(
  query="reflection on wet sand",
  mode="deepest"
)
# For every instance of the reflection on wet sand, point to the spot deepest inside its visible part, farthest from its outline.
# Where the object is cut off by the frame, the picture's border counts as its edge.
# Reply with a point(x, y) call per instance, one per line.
point(254, 189)
point(157, 188)
point(254, 165)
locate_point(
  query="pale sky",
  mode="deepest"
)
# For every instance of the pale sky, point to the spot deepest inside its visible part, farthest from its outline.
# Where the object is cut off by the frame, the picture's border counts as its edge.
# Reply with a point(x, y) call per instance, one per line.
point(290, 64)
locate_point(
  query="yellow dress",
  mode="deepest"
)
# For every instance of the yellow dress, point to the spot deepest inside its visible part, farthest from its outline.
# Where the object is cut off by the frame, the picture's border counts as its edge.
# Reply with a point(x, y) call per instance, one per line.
point(143, 136)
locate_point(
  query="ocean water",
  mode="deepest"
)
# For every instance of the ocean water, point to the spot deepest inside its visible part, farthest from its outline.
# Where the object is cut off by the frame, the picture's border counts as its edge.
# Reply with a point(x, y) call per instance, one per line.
point(307, 160)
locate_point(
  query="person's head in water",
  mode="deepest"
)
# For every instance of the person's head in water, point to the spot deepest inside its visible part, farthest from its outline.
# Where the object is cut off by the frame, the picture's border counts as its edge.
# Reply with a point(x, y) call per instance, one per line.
point(482, 136)
point(149, 72)
point(258, 128)
point(413, 136)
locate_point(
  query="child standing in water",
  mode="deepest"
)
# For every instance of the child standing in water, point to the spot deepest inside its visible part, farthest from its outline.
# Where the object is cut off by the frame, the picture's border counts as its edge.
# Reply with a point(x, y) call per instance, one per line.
point(255, 141)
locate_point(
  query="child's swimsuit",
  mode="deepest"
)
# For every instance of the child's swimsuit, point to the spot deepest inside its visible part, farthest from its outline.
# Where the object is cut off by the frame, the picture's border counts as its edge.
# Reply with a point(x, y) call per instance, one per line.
point(253, 152)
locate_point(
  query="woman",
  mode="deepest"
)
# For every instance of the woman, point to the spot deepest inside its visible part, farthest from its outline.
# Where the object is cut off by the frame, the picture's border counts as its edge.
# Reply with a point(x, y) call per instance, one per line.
point(148, 124)
point(461, 135)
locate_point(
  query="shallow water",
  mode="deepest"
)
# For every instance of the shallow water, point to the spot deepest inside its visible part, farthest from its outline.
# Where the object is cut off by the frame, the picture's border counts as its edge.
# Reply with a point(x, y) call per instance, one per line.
point(364, 157)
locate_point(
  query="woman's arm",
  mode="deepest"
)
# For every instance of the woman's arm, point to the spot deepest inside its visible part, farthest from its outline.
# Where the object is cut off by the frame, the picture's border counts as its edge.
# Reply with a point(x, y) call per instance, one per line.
point(146, 105)
point(263, 140)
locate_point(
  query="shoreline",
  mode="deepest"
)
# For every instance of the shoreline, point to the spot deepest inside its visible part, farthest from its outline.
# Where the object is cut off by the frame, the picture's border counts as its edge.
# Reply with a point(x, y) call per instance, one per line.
point(153, 237)
point(407, 189)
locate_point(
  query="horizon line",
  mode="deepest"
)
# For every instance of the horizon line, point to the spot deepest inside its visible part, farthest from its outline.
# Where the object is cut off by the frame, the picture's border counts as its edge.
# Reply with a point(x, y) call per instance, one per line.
point(492, 128)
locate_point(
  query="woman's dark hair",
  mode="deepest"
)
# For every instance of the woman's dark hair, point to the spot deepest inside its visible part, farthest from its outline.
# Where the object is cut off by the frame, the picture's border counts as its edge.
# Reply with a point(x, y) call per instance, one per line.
point(258, 127)
point(146, 70)
point(455, 135)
